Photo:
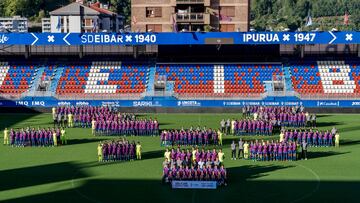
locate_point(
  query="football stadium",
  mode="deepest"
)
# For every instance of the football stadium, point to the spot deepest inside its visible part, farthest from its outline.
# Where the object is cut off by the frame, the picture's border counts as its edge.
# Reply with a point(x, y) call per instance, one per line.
point(179, 101)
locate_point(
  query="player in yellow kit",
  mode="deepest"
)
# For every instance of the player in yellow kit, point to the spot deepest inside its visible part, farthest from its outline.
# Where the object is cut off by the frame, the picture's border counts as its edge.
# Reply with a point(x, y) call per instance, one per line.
point(337, 140)
point(220, 137)
point(54, 139)
point(71, 120)
point(221, 156)
point(6, 136)
point(167, 154)
point(138, 151)
point(63, 136)
point(100, 153)
point(246, 150)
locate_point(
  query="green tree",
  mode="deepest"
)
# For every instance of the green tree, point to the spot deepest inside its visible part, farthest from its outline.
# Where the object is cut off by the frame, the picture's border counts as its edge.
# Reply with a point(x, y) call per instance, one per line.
point(121, 7)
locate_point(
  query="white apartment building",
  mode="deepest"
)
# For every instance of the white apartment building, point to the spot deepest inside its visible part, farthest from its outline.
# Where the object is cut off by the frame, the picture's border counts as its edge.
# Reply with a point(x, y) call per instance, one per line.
point(46, 25)
point(78, 18)
point(13, 24)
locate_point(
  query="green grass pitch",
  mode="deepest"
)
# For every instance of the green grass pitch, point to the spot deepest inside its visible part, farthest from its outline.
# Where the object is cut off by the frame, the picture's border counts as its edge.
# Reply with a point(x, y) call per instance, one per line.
point(72, 174)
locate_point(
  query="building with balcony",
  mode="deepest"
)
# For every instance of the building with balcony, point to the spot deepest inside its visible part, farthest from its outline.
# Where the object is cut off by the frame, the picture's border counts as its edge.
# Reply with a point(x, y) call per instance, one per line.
point(77, 17)
point(190, 15)
point(46, 25)
point(13, 24)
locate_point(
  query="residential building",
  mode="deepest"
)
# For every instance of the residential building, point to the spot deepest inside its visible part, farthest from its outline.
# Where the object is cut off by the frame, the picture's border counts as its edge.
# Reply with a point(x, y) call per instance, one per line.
point(190, 15)
point(46, 25)
point(13, 24)
point(77, 18)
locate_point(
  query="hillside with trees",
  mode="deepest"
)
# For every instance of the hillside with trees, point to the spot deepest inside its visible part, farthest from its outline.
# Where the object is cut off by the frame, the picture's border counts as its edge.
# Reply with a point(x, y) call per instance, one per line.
point(279, 15)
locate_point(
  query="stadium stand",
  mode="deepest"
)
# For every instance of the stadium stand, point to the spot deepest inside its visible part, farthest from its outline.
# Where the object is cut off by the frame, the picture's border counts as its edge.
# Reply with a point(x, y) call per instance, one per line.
point(15, 79)
point(219, 80)
point(189, 79)
point(249, 79)
point(325, 78)
point(103, 78)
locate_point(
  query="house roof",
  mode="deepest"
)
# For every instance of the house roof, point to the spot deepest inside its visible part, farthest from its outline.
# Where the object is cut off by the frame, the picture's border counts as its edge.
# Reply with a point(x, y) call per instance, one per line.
point(74, 9)
point(96, 6)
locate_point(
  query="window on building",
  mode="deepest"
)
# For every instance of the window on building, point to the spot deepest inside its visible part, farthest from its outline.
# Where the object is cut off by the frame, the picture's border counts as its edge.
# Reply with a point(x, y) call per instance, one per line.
point(228, 11)
point(153, 12)
point(88, 22)
point(227, 28)
point(153, 28)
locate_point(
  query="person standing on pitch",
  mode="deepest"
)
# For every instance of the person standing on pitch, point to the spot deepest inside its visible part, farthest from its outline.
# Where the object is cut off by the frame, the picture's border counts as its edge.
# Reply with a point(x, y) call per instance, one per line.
point(59, 119)
point(6, 136)
point(220, 137)
point(65, 117)
point(222, 125)
point(337, 139)
point(54, 138)
point(93, 126)
point(233, 126)
point(241, 149)
point(246, 150)
point(281, 139)
point(100, 150)
point(70, 120)
point(304, 146)
point(55, 120)
point(313, 121)
point(233, 150)
point(138, 151)
point(63, 136)
point(221, 156)
point(228, 126)
point(54, 115)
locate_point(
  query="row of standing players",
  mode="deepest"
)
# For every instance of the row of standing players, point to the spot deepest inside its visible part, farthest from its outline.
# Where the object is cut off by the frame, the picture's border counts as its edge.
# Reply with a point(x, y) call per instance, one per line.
point(104, 121)
point(191, 137)
point(311, 136)
point(35, 137)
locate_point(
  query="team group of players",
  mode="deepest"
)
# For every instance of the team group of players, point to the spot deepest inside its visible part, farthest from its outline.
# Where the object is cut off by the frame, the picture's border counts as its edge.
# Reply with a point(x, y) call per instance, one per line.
point(290, 116)
point(252, 127)
point(191, 137)
point(119, 150)
point(113, 126)
point(264, 119)
point(312, 137)
point(104, 121)
point(194, 165)
point(80, 116)
point(35, 138)
point(269, 150)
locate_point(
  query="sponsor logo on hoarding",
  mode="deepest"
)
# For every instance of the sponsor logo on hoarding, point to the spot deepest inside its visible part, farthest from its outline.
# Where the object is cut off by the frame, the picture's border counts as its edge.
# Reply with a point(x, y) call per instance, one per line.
point(63, 103)
point(328, 103)
point(3, 39)
point(355, 103)
point(146, 104)
point(110, 103)
point(22, 103)
point(82, 103)
point(189, 103)
point(38, 103)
